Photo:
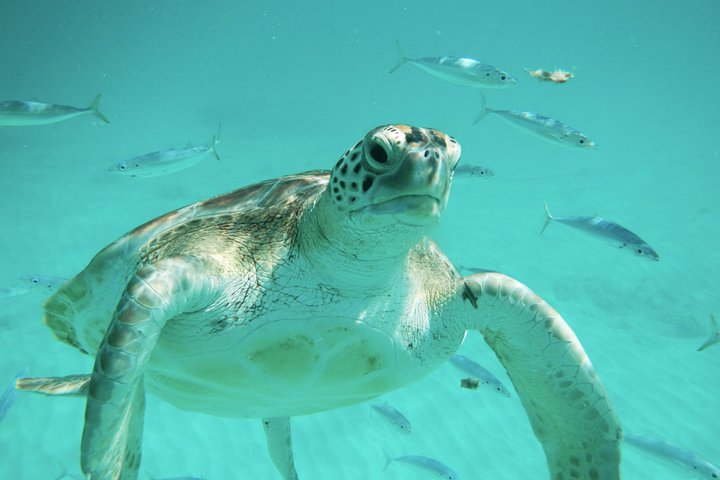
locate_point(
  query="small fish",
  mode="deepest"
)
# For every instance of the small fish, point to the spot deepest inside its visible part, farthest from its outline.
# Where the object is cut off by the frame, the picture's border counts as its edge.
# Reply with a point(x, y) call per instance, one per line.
point(426, 464)
point(173, 160)
point(539, 125)
point(20, 113)
point(394, 416)
point(714, 334)
point(483, 375)
point(475, 269)
point(473, 171)
point(463, 71)
point(599, 227)
point(667, 451)
point(10, 394)
point(48, 284)
point(555, 76)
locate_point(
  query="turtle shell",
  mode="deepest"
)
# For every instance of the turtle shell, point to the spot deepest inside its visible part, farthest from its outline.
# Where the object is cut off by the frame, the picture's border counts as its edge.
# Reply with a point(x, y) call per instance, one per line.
point(80, 311)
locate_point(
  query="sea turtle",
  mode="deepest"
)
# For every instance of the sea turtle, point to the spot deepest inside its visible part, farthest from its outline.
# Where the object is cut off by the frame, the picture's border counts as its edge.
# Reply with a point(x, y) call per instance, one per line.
point(307, 293)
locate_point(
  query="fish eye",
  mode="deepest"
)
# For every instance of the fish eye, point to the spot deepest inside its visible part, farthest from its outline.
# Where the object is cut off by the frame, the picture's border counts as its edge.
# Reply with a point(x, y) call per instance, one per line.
point(581, 141)
point(503, 77)
point(122, 166)
point(639, 251)
point(35, 281)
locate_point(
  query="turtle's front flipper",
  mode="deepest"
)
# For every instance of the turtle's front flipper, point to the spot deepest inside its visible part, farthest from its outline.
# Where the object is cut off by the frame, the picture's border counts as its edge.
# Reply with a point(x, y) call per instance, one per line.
point(567, 404)
point(279, 443)
point(114, 414)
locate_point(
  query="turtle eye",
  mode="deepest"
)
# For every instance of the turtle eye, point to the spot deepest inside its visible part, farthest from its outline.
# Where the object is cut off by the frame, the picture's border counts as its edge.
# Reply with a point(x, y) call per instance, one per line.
point(377, 155)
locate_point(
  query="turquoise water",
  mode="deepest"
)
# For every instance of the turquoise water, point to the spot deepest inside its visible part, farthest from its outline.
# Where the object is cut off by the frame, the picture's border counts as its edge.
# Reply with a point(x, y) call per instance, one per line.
point(295, 85)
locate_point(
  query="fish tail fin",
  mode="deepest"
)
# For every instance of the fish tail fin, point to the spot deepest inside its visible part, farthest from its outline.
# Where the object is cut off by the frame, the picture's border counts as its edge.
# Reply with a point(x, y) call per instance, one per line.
point(388, 460)
point(483, 108)
point(548, 218)
point(214, 141)
point(714, 334)
point(403, 58)
point(95, 109)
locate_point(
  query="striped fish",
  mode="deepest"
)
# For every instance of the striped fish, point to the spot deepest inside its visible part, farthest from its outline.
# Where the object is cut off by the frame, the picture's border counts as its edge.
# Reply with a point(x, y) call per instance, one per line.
point(393, 416)
point(667, 451)
point(168, 161)
point(479, 372)
point(541, 126)
point(473, 171)
point(463, 71)
point(20, 113)
point(43, 283)
point(601, 228)
point(426, 464)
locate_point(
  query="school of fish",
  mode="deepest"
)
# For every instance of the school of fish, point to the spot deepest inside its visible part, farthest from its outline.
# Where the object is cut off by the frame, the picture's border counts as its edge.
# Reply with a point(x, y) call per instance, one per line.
point(464, 71)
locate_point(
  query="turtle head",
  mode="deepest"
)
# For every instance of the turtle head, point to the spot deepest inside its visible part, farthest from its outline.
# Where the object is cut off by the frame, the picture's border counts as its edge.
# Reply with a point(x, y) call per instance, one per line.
point(396, 174)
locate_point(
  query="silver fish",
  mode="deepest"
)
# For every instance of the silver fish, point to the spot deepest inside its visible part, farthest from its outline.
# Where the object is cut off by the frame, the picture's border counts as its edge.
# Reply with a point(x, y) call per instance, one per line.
point(714, 334)
point(463, 71)
point(10, 394)
point(667, 451)
point(473, 171)
point(599, 227)
point(479, 372)
point(32, 283)
point(539, 125)
point(43, 283)
point(163, 162)
point(394, 416)
point(475, 269)
point(20, 113)
point(427, 464)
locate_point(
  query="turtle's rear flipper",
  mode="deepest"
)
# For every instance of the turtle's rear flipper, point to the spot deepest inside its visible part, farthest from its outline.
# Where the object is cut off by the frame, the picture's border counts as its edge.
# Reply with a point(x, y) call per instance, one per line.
point(279, 443)
point(72, 385)
point(112, 437)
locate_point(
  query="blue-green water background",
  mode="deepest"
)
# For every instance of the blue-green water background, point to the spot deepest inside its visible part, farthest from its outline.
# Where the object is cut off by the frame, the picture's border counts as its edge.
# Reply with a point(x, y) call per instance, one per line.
point(294, 85)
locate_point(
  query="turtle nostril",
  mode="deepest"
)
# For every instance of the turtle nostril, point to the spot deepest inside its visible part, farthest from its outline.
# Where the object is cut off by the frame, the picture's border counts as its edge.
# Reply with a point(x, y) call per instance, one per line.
point(378, 153)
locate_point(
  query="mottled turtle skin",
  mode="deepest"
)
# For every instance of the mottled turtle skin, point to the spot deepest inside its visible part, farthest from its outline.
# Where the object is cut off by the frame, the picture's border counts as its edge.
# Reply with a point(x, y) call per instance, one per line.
point(307, 293)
